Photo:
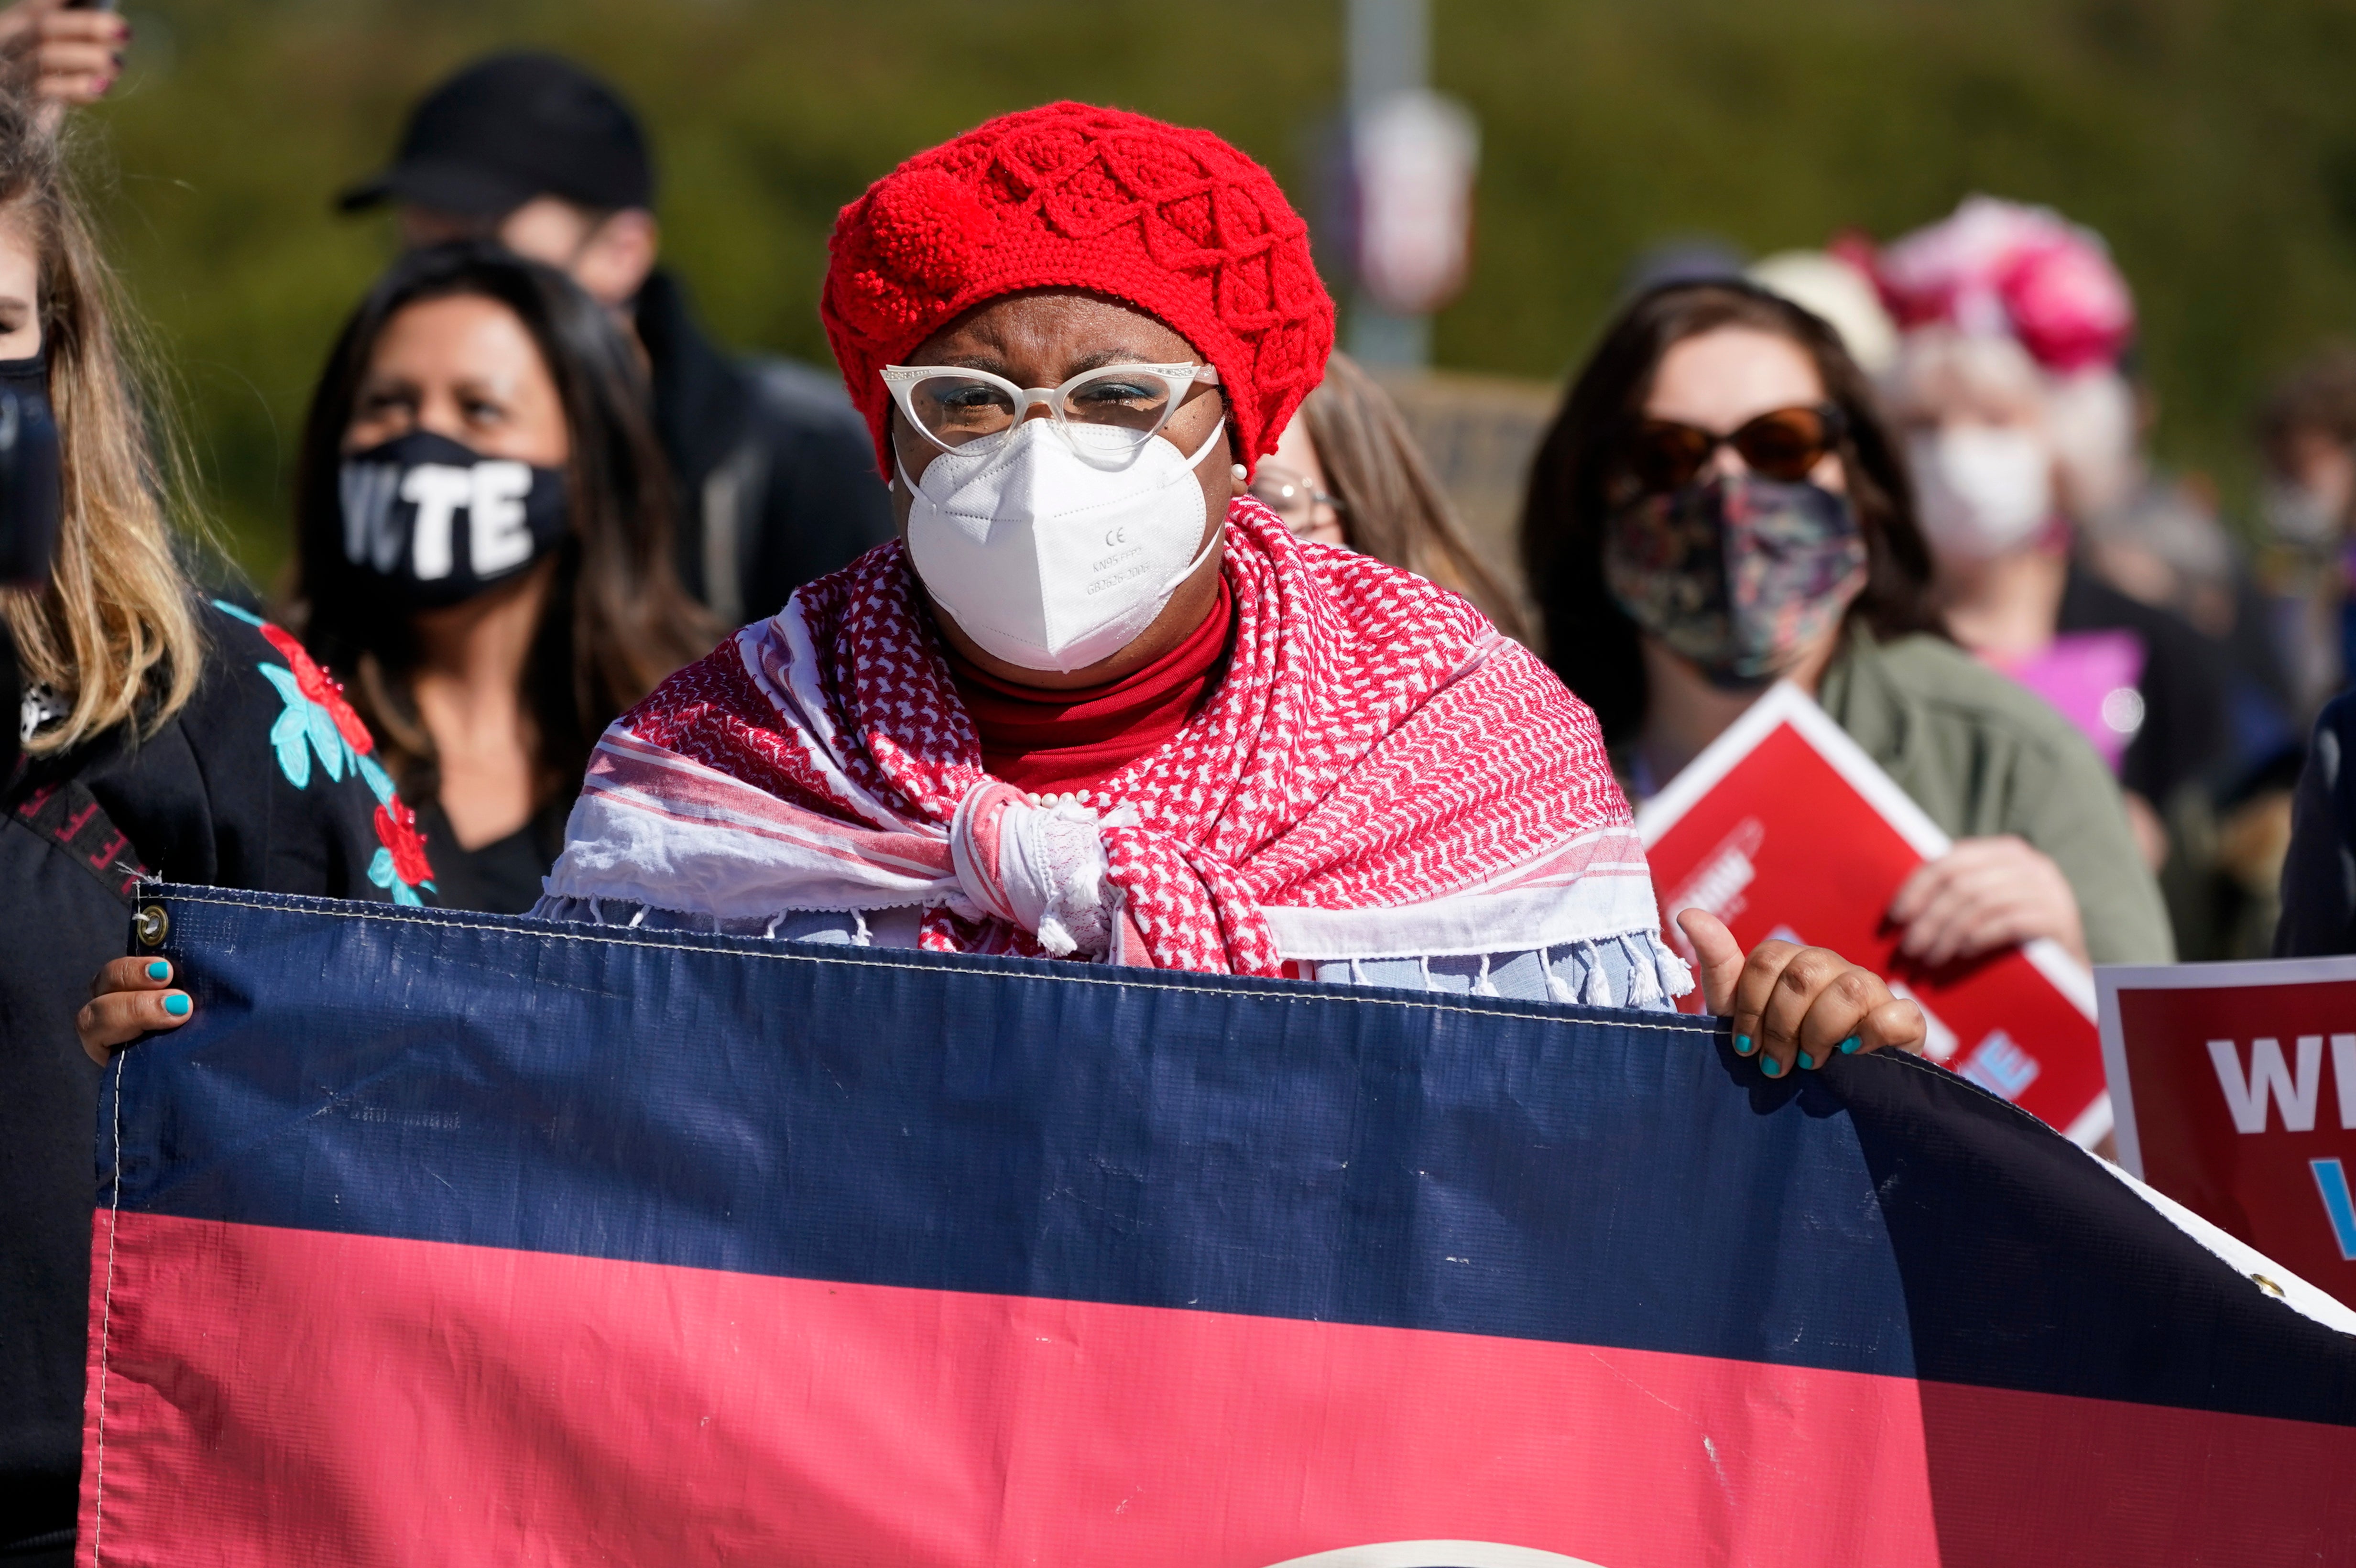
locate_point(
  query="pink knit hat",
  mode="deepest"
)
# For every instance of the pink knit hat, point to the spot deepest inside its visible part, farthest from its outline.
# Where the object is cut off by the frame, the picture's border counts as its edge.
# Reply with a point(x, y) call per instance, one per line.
point(1173, 222)
point(2002, 267)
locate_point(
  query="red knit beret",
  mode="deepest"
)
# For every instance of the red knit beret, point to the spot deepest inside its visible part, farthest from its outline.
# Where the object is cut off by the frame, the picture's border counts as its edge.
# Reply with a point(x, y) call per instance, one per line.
point(1172, 222)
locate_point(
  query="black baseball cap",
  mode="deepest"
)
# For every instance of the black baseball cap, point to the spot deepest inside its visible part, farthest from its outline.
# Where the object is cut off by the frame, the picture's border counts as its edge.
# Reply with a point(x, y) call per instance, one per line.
point(510, 128)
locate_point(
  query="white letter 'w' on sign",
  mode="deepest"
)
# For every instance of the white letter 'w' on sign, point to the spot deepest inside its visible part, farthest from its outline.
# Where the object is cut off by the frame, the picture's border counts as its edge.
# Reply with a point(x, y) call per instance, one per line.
point(2268, 1075)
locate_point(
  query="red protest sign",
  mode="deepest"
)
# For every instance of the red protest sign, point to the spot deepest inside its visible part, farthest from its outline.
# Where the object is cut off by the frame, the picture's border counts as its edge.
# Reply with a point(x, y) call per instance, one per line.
point(2235, 1085)
point(1784, 827)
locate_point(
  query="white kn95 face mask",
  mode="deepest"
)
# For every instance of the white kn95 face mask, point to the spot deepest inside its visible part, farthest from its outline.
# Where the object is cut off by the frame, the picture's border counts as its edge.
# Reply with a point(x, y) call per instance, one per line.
point(1982, 490)
point(1058, 547)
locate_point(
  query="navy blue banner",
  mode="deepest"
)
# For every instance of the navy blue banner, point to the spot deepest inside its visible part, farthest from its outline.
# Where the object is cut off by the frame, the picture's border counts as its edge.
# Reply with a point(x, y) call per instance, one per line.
point(1269, 1148)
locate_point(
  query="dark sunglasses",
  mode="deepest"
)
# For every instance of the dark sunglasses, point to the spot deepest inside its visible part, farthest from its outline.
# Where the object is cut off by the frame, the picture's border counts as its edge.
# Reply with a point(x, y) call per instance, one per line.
point(1662, 455)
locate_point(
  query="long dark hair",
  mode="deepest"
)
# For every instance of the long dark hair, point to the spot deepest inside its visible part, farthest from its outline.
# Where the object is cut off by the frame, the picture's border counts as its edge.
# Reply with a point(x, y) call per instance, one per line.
point(616, 618)
point(1590, 641)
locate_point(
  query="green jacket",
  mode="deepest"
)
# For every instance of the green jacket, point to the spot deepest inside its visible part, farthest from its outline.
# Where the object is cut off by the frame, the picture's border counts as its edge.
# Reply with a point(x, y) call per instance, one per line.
point(1983, 756)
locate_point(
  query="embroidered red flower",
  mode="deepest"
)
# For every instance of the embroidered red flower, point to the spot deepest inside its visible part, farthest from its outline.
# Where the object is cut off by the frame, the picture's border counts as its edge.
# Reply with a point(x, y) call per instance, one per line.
point(323, 689)
point(396, 829)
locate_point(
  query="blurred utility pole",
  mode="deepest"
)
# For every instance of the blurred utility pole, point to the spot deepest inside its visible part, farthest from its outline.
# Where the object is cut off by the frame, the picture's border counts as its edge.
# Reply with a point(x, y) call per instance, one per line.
point(1412, 157)
point(1390, 50)
point(1390, 53)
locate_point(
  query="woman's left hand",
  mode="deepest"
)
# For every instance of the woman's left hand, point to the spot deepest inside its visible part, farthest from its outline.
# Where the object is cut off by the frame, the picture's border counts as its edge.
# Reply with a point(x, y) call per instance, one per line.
point(1983, 894)
point(1793, 1005)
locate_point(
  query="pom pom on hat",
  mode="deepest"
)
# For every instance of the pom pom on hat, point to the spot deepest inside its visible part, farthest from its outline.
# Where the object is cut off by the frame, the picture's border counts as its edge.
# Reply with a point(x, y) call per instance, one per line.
point(1172, 222)
point(922, 234)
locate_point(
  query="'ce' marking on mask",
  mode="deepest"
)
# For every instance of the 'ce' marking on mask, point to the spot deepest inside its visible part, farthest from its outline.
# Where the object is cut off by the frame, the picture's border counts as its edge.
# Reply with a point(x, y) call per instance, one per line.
point(1117, 535)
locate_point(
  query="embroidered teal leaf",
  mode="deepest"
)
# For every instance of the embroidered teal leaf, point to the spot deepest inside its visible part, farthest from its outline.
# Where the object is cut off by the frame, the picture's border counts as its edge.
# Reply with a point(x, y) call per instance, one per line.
point(290, 735)
point(326, 739)
point(381, 873)
point(376, 778)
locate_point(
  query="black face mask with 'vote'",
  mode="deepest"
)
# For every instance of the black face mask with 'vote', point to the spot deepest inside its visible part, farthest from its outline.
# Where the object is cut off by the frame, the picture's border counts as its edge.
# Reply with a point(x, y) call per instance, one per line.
point(438, 523)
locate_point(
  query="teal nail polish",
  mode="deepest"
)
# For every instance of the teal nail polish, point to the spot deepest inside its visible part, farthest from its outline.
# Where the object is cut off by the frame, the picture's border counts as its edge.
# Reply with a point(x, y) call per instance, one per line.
point(1770, 1066)
point(1848, 1046)
point(176, 1005)
point(1806, 1060)
point(159, 970)
point(1742, 1044)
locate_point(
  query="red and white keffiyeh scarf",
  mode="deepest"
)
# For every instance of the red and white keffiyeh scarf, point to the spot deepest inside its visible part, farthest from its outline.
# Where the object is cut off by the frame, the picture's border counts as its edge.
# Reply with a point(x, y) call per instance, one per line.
point(1380, 774)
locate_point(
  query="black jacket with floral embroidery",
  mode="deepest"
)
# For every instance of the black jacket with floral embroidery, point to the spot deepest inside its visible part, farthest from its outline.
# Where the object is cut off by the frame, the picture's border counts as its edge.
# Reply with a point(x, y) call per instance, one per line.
point(262, 781)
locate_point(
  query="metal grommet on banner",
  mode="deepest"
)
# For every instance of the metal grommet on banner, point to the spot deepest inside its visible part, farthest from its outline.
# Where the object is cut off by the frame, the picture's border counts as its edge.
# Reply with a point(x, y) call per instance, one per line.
point(2269, 1286)
point(151, 926)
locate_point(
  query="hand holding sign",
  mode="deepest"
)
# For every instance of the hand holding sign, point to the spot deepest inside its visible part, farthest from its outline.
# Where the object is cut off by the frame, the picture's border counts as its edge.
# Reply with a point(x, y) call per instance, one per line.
point(1786, 831)
point(1985, 894)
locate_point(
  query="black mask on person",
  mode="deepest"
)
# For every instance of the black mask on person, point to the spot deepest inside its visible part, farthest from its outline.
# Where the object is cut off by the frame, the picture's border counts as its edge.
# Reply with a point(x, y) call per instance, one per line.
point(438, 523)
point(29, 515)
point(29, 472)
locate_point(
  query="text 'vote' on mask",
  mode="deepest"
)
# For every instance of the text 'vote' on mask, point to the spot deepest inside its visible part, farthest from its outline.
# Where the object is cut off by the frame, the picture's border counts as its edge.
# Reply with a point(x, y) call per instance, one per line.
point(1054, 550)
point(439, 523)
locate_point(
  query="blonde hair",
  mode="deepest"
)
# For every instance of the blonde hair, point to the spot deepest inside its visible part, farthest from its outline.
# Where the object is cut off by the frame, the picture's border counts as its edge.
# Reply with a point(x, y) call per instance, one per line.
point(113, 636)
point(1391, 506)
point(1938, 368)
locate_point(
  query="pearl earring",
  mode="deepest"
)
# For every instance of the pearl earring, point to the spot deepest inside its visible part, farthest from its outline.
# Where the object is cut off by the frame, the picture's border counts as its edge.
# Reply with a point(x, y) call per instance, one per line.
point(1241, 474)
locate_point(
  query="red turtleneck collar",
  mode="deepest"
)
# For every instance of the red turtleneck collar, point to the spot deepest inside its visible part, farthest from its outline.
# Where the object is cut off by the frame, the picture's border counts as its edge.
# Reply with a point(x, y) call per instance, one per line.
point(1062, 741)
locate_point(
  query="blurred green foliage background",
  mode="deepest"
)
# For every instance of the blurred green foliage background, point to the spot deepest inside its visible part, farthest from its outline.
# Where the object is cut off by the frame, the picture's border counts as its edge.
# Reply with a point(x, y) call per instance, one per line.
point(2212, 141)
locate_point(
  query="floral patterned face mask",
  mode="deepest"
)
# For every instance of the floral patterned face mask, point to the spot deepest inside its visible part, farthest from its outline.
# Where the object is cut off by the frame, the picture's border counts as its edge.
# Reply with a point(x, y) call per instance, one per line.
point(1735, 572)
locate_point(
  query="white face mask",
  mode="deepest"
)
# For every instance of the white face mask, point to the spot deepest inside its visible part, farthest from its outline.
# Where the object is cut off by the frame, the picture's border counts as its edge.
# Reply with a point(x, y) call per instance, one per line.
point(1046, 556)
point(1984, 490)
point(2297, 514)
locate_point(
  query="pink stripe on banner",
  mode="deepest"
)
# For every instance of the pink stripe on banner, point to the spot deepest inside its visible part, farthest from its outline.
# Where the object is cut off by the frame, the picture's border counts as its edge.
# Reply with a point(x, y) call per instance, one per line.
point(276, 1396)
point(290, 1396)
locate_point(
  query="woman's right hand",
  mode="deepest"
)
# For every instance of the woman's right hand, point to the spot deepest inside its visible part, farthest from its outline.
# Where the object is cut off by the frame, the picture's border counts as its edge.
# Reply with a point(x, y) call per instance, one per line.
point(131, 997)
